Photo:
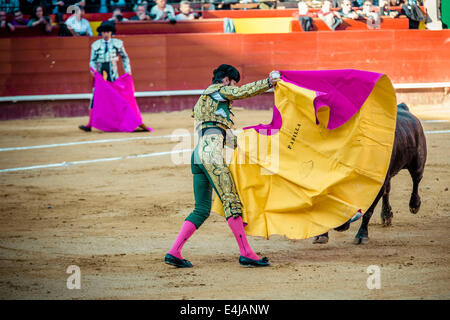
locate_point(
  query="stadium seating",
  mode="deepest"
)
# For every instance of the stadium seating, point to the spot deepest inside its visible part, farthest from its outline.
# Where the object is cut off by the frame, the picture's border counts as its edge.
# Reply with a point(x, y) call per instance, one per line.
point(351, 24)
point(246, 21)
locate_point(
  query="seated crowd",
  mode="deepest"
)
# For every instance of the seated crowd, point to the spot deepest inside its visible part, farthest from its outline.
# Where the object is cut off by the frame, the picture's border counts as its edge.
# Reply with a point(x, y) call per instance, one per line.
point(13, 12)
point(333, 11)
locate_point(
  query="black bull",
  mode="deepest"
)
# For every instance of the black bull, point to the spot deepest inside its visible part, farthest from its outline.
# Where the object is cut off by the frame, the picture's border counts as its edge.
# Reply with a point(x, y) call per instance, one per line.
point(409, 152)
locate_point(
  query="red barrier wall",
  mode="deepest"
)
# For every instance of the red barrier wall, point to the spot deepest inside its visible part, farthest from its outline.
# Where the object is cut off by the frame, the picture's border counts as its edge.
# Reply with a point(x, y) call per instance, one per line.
point(162, 27)
point(178, 62)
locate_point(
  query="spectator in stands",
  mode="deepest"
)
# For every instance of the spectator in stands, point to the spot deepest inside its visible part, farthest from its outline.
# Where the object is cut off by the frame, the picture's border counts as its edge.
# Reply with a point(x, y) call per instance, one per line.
point(162, 11)
point(304, 17)
point(117, 16)
point(331, 18)
point(116, 4)
point(3, 23)
point(141, 14)
point(9, 6)
point(92, 6)
point(186, 12)
point(413, 12)
point(62, 6)
point(148, 4)
point(336, 3)
point(347, 10)
point(222, 4)
point(386, 11)
point(77, 25)
point(39, 19)
point(369, 12)
point(19, 20)
point(103, 7)
point(48, 5)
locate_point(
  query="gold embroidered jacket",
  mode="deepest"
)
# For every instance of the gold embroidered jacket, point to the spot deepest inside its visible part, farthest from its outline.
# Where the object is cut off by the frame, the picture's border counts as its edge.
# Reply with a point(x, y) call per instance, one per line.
point(215, 102)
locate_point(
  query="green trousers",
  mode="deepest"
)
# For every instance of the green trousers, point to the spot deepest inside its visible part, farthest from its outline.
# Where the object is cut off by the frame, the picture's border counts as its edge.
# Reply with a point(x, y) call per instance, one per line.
point(210, 171)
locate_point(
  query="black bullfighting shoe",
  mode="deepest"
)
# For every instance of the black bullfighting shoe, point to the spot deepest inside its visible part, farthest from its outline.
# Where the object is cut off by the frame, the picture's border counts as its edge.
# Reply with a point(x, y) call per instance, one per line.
point(177, 262)
point(247, 262)
point(84, 128)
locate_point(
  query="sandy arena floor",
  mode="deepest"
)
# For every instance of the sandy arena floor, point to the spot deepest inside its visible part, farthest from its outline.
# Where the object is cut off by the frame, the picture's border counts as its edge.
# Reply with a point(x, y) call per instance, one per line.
point(116, 220)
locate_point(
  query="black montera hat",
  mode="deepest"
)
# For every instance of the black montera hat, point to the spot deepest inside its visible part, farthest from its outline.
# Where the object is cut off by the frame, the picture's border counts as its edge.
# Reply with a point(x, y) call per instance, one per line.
point(225, 70)
point(106, 26)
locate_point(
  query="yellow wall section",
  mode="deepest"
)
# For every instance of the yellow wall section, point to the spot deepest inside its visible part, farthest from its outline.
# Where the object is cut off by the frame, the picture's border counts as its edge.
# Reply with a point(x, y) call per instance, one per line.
point(262, 25)
point(94, 26)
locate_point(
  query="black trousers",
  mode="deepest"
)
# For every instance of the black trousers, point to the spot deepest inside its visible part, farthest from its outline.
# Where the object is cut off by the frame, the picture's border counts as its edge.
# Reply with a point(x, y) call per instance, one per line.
point(306, 23)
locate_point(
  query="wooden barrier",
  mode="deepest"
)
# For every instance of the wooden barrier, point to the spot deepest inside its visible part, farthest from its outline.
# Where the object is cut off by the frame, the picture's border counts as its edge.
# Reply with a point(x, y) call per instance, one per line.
point(394, 23)
point(53, 65)
point(351, 24)
point(163, 27)
point(131, 27)
point(317, 25)
point(24, 31)
point(260, 13)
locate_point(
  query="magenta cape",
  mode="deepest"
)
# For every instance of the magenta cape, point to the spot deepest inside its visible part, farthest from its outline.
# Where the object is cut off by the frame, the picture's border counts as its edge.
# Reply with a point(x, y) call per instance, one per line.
point(115, 108)
point(343, 91)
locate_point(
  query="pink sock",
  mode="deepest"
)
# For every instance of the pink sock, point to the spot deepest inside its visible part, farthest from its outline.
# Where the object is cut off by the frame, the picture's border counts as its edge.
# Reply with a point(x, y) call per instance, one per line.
point(90, 119)
point(237, 226)
point(186, 231)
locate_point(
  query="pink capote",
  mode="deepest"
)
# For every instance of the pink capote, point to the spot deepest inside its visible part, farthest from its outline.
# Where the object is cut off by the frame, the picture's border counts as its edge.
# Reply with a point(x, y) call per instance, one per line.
point(343, 91)
point(115, 107)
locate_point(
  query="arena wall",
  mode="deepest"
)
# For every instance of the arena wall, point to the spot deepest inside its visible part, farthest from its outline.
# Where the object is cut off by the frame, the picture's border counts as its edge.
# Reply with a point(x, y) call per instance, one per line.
point(54, 65)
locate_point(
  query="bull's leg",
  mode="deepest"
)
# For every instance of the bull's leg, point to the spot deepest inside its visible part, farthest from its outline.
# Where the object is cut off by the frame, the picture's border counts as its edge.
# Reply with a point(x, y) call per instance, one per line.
point(414, 202)
point(322, 239)
point(362, 237)
point(386, 210)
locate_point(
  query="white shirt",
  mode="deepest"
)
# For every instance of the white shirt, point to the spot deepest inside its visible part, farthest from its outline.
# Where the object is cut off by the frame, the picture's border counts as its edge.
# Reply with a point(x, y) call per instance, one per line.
point(158, 13)
point(181, 17)
point(79, 26)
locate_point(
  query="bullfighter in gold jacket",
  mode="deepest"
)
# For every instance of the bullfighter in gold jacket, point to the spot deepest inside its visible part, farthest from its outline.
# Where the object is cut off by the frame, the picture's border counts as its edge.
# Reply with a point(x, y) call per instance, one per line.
point(213, 121)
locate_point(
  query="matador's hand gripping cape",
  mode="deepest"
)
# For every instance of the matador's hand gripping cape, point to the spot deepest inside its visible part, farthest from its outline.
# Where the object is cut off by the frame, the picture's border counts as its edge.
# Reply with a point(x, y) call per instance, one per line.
point(324, 156)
